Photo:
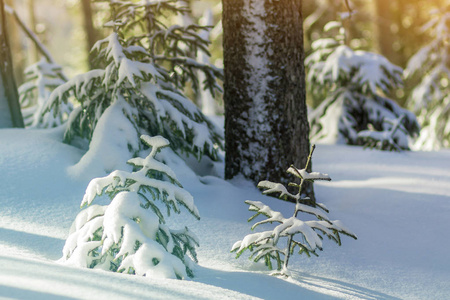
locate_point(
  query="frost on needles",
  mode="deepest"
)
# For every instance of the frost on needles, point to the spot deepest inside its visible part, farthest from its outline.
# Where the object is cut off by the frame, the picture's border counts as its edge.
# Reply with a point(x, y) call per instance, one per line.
point(130, 234)
point(291, 234)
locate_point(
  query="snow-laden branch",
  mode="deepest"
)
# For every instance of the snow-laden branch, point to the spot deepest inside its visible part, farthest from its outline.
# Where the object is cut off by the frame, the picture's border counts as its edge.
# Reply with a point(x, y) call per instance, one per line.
point(306, 235)
point(130, 235)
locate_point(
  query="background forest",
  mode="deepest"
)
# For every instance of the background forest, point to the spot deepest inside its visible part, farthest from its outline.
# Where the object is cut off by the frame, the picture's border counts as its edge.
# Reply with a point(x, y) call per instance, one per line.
point(142, 149)
point(412, 35)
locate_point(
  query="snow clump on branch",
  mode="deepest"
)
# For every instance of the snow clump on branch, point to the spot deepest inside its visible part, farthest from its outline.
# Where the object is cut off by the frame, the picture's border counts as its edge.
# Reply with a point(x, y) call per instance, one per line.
point(130, 234)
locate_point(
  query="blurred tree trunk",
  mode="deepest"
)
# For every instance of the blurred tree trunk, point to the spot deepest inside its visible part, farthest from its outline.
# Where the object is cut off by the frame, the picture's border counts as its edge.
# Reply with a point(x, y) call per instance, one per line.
point(10, 114)
point(401, 32)
point(32, 26)
point(15, 40)
point(383, 33)
point(266, 124)
point(89, 29)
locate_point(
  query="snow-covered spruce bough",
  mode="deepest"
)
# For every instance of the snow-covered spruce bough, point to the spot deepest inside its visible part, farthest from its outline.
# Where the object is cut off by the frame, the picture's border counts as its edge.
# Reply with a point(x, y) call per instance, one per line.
point(352, 88)
point(130, 235)
point(146, 67)
point(280, 243)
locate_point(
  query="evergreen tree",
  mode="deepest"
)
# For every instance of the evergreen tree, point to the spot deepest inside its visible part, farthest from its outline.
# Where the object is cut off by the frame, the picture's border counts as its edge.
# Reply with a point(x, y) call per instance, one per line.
point(145, 69)
point(278, 245)
point(41, 79)
point(130, 234)
point(430, 99)
point(354, 87)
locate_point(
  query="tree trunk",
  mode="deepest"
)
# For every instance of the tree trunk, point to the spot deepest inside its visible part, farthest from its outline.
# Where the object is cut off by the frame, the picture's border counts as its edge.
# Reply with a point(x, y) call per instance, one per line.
point(15, 42)
point(10, 114)
point(91, 34)
point(266, 124)
point(384, 36)
point(32, 25)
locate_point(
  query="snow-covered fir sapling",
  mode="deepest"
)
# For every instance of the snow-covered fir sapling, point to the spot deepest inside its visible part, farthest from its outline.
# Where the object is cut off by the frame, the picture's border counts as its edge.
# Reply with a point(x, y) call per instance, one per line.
point(352, 88)
point(430, 67)
point(130, 234)
point(291, 233)
point(41, 79)
point(146, 68)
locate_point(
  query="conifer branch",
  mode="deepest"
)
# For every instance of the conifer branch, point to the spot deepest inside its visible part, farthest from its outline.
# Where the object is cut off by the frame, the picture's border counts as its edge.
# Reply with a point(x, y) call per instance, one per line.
point(265, 244)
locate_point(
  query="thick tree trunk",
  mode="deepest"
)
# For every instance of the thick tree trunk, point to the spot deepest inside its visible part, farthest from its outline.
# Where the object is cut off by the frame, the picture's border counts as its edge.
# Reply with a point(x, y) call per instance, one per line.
point(10, 114)
point(266, 125)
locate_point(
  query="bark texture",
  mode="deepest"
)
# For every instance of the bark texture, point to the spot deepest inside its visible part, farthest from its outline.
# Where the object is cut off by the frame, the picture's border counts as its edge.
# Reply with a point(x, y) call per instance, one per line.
point(266, 124)
point(9, 99)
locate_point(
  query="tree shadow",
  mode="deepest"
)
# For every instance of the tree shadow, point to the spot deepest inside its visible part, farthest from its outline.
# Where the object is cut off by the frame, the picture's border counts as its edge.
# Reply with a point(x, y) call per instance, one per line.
point(40, 245)
point(22, 293)
point(300, 285)
point(50, 280)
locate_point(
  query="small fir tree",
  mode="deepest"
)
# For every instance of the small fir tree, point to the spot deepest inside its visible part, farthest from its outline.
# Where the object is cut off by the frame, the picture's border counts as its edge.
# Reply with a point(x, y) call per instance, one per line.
point(41, 79)
point(147, 68)
point(130, 234)
point(354, 87)
point(430, 99)
point(279, 244)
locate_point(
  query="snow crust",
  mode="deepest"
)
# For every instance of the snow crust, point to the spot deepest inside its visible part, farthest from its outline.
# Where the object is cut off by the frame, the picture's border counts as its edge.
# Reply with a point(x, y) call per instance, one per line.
point(397, 204)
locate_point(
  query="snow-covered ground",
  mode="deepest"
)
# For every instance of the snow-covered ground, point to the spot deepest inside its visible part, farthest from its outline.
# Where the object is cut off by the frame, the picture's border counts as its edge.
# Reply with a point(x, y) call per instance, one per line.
point(397, 203)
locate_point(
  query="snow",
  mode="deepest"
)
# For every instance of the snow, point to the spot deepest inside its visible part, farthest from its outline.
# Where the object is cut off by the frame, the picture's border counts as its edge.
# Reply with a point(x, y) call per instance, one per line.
point(109, 148)
point(397, 204)
point(257, 78)
point(306, 175)
point(372, 70)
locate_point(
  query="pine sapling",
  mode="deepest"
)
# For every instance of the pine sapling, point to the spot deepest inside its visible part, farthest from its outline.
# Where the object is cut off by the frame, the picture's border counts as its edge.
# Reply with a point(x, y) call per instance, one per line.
point(130, 234)
point(307, 236)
